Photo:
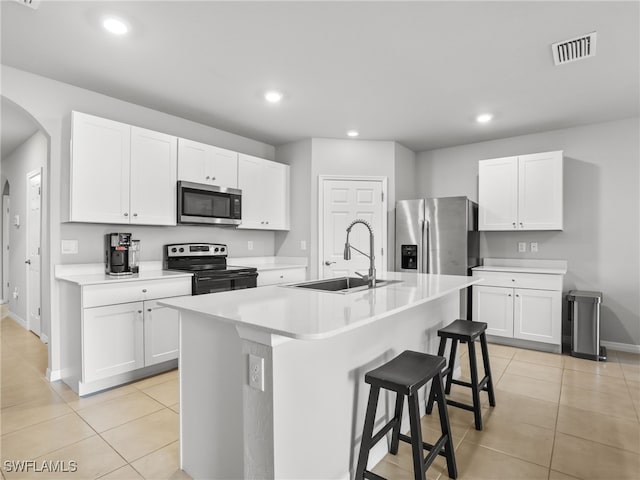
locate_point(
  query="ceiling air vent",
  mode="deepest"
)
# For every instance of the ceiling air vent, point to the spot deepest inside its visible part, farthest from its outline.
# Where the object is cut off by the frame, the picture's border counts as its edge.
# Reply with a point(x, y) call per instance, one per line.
point(30, 3)
point(574, 49)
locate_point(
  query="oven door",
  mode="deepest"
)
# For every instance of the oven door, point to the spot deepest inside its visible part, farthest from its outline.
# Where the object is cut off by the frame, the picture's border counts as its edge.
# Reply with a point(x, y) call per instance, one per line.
point(203, 283)
point(208, 204)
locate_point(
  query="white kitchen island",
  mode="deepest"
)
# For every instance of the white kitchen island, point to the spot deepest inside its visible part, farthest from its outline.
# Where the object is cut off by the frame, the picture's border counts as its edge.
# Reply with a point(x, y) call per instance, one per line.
point(316, 346)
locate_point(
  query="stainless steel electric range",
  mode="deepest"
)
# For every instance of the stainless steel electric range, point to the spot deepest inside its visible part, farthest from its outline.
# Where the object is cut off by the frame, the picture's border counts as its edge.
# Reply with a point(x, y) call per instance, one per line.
point(208, 263)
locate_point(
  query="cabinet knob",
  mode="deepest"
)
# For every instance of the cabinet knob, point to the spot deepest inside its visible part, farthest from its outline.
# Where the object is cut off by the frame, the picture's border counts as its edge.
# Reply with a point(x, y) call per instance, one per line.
point(267, 222)
point(261, 223)
point(139, 311)
point(513, 279)
point(281, 276)
point(148, 309)
point(213, 178)
point(135, 214)
point(517, 295)
point(126, 214)
point(514, 224)
point(521, 224)
point(509, 294)
point(144, 290)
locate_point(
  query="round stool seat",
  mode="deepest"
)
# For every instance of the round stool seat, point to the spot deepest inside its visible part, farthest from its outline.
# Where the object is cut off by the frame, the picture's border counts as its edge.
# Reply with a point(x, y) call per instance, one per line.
point(407, 372)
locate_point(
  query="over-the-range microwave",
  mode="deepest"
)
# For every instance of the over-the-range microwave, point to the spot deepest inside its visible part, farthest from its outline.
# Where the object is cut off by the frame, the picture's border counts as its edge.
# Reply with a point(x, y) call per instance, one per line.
point(208, 204)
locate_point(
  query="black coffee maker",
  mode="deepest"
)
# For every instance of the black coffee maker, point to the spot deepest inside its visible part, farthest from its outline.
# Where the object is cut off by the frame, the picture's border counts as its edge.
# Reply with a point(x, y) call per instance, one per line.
point(118, 254)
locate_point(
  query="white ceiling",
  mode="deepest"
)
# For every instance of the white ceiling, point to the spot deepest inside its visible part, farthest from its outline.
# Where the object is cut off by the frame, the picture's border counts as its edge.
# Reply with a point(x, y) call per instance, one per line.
point(415, 72)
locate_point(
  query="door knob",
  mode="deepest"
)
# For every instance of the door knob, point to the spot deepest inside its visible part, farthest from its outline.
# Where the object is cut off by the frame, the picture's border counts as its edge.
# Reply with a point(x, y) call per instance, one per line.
point(327, 263)
point(28, 262)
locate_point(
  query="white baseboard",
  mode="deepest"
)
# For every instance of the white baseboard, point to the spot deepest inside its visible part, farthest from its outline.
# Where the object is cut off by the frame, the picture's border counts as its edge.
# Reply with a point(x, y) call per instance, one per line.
point(53, 375)
point(621, 347)
point(44, 338)
point(18, 319)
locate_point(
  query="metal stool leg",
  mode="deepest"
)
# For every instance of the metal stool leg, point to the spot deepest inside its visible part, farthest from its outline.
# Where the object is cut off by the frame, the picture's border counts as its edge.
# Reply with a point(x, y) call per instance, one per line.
point(365, 444)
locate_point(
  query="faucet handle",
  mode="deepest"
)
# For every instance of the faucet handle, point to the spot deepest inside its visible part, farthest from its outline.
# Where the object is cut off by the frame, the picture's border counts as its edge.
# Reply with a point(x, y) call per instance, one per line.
point(364, 277)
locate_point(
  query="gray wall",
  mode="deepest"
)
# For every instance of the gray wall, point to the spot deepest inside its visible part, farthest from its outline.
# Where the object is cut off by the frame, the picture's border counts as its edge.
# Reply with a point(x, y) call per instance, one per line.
point(601, 236)
point(29, 156)
point(298, 156)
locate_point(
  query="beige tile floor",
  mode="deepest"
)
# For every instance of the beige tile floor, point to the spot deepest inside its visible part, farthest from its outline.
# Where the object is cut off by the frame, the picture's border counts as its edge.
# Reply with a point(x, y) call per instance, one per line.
point(556, 418)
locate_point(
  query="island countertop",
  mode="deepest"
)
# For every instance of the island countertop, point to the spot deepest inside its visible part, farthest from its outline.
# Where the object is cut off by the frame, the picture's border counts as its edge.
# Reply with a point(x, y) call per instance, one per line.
point(306, 314)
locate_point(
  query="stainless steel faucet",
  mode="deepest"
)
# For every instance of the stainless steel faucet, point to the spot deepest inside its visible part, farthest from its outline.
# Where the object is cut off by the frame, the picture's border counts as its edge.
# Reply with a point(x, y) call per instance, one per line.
point(371, 278)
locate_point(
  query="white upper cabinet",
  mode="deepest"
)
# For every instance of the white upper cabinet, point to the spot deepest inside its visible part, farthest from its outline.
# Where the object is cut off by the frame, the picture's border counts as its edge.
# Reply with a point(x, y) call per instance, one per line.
point(201, 163)
point(265, 193)
point(521, 193)
point(153, 177)
point(121, 174)
point(100, 160)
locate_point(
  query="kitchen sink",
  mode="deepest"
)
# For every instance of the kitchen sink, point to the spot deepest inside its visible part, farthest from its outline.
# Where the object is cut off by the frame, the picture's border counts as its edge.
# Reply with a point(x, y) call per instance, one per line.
point(341, 284)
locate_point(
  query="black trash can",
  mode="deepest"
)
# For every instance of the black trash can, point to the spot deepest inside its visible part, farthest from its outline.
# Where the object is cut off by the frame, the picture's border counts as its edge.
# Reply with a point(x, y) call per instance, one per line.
point(584, 315)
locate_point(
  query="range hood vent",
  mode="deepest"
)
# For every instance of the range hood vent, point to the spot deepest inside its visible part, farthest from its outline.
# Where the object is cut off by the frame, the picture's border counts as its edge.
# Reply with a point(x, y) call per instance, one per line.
point(574, 49)
point(30, 3)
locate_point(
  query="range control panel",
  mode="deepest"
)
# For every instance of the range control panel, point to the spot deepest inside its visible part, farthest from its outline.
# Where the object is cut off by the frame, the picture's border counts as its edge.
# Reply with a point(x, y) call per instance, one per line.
point(196, 250)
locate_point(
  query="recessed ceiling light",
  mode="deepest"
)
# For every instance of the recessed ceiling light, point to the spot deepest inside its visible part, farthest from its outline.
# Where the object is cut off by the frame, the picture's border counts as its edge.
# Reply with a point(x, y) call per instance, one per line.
point(115, 25)
point(352, 133)
point(273, 96)
point(484, 118)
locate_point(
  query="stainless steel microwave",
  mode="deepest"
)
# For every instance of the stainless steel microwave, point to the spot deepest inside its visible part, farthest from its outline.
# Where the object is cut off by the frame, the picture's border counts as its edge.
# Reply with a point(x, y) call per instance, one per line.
point(208, 204)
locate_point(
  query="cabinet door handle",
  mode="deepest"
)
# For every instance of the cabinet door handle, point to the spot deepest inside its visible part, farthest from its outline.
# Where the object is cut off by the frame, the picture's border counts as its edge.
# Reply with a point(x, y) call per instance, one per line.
point(148, 309)
point(213, 178)
point(135, 214)
point(509, 294)
point(513, 279)
point(327, 263)
point(208, 177)
point(267, 222)
point(139, 311)
point(514, 224)
point(521, 224)
point(126, 214)
point(144, 290)
point(517, 295)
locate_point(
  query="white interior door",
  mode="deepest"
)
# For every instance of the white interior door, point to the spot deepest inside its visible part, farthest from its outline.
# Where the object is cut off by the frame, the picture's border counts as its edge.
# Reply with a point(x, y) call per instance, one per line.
point(5, 247)
point(345, 200)
point(34, 180)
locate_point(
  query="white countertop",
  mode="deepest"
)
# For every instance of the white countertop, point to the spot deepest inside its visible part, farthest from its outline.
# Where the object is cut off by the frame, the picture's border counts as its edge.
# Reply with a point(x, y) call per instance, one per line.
point(269, 263)
point(515, 265)
point(100, 278)
point(307, 314)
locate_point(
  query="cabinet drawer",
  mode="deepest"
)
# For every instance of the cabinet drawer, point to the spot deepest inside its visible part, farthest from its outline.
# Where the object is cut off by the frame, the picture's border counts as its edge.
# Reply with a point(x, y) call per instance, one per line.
point(274, 277)
point(124, 292)
point(520, 280)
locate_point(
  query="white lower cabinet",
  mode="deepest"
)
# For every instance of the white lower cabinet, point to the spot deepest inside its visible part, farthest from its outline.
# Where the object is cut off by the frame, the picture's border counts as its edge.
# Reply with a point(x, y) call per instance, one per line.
point(524, 306)
point(117, 332)
point(161, 333)
point(112, 340)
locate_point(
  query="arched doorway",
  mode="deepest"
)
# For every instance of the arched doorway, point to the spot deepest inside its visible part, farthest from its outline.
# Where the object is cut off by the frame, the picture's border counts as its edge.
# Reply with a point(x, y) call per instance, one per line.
point(24, 155)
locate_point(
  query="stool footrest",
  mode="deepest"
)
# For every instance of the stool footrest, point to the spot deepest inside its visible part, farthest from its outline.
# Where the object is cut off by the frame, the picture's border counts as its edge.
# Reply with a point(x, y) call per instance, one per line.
point(460, 405)
point(383, 431)
point(482, 384)
point(372, 476)
point(434, 450)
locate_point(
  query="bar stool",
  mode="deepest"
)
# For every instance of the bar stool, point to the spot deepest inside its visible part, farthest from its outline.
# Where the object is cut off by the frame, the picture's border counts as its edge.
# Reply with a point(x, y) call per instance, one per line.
point(466, 331)
point(404, 375)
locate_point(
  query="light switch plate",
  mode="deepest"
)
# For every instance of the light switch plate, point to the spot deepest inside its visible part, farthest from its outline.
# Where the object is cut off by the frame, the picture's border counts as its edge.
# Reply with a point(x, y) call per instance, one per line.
point(534, 247)
point(522, 247)
point(69, 247)
point(303, 245)
point(249, 245)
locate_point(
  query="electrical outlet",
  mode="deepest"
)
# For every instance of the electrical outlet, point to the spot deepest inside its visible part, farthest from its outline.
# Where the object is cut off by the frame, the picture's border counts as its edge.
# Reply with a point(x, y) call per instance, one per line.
point(522, 247)
point(303, 245)
point(256, 372)
point(534, 247)
point(249, 245)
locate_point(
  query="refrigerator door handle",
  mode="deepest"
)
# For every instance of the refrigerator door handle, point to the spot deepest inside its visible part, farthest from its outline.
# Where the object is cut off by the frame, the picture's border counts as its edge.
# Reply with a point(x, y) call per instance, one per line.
point(426, 232)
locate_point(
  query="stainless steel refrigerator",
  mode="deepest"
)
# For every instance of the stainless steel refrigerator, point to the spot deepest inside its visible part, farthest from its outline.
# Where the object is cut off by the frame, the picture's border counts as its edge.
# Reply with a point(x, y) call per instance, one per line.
point(440, 236)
